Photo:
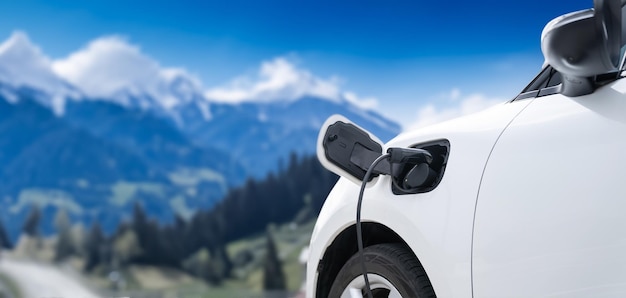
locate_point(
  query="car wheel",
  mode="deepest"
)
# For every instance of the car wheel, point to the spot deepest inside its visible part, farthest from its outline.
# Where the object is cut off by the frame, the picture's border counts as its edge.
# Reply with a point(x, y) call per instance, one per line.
point(393, 271)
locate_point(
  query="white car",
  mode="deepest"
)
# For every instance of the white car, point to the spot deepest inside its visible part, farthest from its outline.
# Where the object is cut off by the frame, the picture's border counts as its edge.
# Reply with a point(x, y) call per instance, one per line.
point(526, 199)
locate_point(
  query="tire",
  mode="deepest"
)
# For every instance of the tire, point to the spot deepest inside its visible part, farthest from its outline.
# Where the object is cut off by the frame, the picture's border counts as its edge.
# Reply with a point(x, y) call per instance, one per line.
point(393, 271)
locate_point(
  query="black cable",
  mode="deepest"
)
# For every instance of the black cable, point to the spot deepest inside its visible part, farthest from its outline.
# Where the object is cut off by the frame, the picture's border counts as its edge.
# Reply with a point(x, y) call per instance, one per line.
point(359, 233)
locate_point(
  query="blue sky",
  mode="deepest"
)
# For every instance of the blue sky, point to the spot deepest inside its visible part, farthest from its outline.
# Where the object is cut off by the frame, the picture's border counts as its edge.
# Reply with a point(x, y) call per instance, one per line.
point(406, 54)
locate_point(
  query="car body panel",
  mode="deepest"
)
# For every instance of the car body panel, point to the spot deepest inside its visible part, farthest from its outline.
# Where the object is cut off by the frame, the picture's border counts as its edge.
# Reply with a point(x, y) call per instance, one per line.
point(550, 214)
point(436, 225)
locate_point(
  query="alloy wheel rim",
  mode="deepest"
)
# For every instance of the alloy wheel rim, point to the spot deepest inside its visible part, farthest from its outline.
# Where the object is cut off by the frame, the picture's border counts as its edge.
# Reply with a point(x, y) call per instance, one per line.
point(380, 286)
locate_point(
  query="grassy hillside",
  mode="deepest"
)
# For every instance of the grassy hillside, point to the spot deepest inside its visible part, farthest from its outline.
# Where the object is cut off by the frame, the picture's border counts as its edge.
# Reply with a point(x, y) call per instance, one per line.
point(154, 281)
point(290, 240)
point(247, 278)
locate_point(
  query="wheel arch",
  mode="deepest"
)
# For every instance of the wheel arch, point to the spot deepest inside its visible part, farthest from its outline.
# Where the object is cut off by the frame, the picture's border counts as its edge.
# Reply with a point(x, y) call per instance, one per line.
point(344, 246)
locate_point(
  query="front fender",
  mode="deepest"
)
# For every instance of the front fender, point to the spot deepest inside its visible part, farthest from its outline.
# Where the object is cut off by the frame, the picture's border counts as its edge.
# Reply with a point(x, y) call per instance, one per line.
point(421, 230)
point(437, 225)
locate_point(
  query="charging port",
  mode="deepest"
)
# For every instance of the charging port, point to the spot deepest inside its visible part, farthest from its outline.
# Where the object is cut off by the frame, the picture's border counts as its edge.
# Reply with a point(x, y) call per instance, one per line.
point(413, 177)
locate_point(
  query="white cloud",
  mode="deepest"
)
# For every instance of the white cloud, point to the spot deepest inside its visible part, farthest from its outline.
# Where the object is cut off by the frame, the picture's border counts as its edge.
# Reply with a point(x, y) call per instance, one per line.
point(455, 94)
point(461, 105)
point(107, 65)
point(281, 79)
point(276, 79)
point(367, 103)
point(110, 65)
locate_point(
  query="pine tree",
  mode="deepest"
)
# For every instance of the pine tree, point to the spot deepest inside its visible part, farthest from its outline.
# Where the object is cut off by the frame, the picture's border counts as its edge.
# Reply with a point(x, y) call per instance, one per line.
point(150, 236)
point(273, 276)
point(94, 247)
point(221, 263)
point(4, 238)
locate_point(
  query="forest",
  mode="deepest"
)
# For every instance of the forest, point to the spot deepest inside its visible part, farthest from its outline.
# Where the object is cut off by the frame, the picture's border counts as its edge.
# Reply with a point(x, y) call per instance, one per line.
point(295, 193)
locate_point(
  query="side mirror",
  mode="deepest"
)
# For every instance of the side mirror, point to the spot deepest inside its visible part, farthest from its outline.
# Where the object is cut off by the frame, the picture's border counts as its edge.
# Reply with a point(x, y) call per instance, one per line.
point(584, 44)
point(343, 148)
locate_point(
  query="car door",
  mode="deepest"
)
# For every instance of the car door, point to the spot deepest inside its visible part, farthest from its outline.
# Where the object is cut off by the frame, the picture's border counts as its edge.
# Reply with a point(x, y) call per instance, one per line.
point(550, 217)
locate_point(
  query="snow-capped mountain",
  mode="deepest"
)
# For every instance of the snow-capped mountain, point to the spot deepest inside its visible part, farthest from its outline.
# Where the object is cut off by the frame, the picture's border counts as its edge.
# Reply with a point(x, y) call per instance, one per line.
point(261, 135)
point(272, 113)
point(108, 69)
point(108, 126)
point(99, 159)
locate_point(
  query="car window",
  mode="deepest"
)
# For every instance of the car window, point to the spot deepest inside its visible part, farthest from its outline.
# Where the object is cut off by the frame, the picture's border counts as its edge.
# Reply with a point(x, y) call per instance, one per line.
point(539, 81)
point(555, 79)
point(622, 52)
point(545, 83)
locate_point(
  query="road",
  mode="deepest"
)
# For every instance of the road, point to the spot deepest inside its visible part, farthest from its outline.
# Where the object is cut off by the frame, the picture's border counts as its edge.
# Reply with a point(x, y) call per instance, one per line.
point(43, 281)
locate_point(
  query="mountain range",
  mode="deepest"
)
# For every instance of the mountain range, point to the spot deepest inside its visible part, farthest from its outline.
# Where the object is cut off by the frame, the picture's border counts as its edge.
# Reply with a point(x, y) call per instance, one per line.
point(72, 138)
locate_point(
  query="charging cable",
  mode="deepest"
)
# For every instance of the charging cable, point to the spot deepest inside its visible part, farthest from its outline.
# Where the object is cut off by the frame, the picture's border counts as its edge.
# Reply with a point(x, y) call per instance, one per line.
point(393, 156)
point(359, 232)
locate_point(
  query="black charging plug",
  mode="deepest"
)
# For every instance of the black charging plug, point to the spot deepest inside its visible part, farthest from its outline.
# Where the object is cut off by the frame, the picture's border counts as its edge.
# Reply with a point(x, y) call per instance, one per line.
point(409, 156)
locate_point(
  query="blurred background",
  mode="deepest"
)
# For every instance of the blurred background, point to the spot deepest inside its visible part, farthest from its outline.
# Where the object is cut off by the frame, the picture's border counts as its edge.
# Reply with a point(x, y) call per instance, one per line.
point(166, 148)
